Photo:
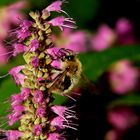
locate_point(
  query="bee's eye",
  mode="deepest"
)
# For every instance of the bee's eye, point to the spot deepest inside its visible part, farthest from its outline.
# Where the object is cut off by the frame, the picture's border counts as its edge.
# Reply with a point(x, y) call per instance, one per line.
point(70, 57)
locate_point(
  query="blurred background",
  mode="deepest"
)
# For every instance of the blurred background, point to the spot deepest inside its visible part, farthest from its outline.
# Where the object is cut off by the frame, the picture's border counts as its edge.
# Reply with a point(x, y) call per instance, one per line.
point(107, 40)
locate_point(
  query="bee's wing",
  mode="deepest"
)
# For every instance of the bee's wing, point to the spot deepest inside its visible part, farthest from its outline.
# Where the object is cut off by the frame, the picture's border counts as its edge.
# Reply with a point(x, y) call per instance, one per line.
point(56, 85)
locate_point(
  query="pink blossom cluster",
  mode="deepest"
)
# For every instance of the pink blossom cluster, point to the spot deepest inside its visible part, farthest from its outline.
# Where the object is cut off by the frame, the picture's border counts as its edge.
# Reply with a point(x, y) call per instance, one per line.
point(123, 77)
point(121, 118)
point(104, 38)
point(32, 107)
point(10, 16)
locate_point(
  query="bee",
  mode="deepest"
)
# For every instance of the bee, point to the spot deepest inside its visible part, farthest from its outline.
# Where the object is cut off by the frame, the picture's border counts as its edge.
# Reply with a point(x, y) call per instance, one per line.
point(70, 74)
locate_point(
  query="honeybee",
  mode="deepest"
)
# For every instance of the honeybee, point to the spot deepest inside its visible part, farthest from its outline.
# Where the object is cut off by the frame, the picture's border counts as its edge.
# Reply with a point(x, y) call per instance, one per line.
point(70, 75)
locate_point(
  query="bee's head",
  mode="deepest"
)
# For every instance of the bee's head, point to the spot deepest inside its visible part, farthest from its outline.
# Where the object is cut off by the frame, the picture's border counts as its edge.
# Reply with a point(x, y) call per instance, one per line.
point(67, 55)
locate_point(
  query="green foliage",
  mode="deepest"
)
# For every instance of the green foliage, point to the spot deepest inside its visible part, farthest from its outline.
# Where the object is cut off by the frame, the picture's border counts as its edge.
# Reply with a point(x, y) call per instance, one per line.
point(6, 2)
point(82, 10)
point(41, 4)
point(128, 100)
point(59, 99)
point(94, 64)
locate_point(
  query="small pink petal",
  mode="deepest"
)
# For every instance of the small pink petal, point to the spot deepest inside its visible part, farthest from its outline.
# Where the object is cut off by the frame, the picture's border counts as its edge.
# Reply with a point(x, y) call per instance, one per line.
point(56, 64)
point(58, 21)
point(55, 6)
point(54, 136)
point(18, 48)
point(13, 134)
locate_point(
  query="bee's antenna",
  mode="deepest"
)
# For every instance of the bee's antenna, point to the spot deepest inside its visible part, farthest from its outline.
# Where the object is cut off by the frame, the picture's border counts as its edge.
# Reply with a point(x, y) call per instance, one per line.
point(68, 97)
point(76, 93)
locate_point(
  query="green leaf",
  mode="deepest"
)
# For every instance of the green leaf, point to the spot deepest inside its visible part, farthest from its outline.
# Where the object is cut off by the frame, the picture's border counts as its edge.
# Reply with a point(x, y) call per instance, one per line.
point(94, 64)
point(82, 10)
point(59, 99)
point(41, 4)
point(129, 100)
point(6, 2)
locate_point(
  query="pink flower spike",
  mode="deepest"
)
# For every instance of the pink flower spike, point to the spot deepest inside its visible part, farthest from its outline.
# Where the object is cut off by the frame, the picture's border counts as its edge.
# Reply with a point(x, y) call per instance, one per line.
point(25, 92)
point(55, 6)
point(34, 45)
point(13, 134)
point(18, 48)
point(38, 96)
point(54, 136)
point(37, 130)
point(41, 112)
point(35, 62)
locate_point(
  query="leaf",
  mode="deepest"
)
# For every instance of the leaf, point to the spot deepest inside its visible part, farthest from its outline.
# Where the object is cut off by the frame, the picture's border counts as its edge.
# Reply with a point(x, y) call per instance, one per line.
point(94, 64)
point(82, 10)
point(59, 99)
point(129, 100)
point(6, 2)
point(36, 5)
